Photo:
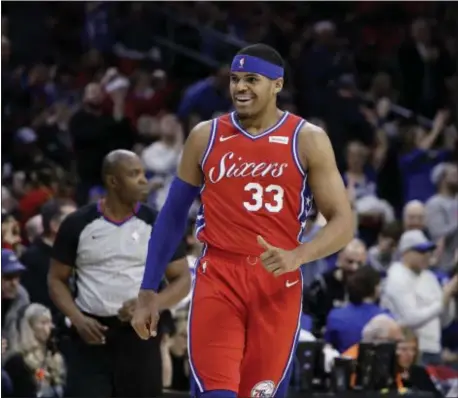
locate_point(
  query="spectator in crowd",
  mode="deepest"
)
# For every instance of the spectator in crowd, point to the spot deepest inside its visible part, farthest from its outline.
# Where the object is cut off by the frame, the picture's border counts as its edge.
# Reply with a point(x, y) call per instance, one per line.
point(33, 228)
point(414, 296)
point(14, 296)
point(95, 134)
point(381, 255)
point(380, 329)
point(11, 232)
point(417, 163)
point(35, 367)
point(37, 257)
point(414, 376)
point(424, 66)
point(328, 291)
point(312, 270)
point(105, 243)
point(442, 214)
point(161, 158)
point(413, 216)
point(40, 187)
point(359, 177)
point(202, 99)
point(344, 325)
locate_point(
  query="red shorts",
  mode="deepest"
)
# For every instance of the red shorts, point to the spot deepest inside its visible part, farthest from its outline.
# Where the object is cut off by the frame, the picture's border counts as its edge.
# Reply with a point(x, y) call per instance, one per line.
point(243, 326)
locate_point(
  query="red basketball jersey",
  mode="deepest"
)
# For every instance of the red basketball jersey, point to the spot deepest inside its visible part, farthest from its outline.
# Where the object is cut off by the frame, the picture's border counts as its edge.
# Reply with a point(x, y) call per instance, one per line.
point(253, 185)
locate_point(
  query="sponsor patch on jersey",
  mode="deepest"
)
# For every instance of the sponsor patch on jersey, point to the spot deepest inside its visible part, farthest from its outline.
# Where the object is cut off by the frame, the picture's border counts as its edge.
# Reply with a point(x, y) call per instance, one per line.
point(263, 389)
point(278, 140)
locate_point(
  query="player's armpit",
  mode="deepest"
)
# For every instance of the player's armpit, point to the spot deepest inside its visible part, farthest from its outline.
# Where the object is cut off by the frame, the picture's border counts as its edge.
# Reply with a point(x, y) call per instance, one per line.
point(189, 168)
point(179, 283)
point(329, 194)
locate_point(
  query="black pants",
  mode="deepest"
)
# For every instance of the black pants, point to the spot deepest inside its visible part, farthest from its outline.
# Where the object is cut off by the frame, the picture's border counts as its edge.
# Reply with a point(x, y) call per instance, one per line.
point(125, 366)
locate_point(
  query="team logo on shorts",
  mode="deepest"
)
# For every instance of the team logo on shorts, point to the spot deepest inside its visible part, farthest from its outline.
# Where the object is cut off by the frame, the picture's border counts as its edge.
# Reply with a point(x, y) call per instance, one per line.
point(263, 389)
point(241, 63)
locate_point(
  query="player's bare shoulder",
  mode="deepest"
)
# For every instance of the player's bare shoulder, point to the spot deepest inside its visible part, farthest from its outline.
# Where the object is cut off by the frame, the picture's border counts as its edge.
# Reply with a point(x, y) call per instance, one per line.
point(193, 152)
point(313, 144)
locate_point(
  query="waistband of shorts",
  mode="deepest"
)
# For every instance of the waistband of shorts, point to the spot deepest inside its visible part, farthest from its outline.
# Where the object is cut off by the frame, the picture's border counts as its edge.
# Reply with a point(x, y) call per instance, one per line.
point(236, 258)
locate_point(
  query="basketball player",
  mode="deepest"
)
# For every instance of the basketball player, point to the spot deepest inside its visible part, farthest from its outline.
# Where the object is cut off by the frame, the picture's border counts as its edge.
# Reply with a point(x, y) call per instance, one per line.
point(256, 169)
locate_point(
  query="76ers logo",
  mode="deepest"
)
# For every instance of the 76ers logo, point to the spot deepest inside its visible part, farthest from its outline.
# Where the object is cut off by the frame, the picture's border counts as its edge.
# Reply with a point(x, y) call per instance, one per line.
point(263, 389)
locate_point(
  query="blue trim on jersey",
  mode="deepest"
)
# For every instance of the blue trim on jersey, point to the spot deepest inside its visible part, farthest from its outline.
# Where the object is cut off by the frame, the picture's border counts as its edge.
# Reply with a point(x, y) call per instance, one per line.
point(194, 377)
point(200, 220)
point(267, 132)
point(306, 194)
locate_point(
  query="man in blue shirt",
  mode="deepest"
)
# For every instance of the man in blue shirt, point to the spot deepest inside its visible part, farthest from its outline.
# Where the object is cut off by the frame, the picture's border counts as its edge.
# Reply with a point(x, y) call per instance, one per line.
point(344, 325)
point(206, 97)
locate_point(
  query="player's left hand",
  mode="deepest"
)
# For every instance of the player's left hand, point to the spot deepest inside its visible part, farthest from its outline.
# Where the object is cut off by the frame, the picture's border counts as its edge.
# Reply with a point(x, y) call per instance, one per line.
point(275, 260)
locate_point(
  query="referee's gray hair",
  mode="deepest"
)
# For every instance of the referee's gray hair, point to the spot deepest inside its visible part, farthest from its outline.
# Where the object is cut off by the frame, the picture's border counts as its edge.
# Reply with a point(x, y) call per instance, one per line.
point(378, 328)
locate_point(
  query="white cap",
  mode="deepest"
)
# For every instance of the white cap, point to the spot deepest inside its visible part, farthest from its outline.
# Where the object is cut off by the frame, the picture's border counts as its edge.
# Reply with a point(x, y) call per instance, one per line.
point(415, 240)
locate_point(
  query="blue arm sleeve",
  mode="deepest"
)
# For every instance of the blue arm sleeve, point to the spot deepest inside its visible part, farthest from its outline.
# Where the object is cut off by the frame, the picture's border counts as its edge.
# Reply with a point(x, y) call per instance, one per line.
point(168, 231)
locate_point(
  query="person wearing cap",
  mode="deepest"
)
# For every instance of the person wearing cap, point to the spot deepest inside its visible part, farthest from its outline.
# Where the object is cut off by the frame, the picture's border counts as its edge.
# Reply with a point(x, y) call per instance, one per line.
point(414, 296)
point(442, 213)
point(14, 296)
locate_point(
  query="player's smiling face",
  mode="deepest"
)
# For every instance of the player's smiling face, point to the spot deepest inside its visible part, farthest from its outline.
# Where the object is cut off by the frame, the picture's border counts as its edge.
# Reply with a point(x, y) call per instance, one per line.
point(250, 92)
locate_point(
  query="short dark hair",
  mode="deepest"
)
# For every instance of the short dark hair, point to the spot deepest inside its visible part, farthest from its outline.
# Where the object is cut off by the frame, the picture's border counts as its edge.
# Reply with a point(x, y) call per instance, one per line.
point(50, 211)
point(392, 230)
point(264, 52)
point(362, 284)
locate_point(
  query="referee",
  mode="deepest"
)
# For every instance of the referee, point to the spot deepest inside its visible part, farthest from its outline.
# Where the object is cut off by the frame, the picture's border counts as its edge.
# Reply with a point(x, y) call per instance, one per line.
point(104, 245)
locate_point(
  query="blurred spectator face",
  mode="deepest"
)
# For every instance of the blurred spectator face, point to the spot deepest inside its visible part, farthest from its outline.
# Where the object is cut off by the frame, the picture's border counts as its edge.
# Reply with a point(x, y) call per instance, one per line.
point(451, 178)
point(93, 59)
point(170, 127)
point(418, 261)
point(414, 216)
point(381, 85)
point(38, 75)
point(352, 257)
point(159, 79)
point(42, 326)
point(387, 245)
point(356, 156)
point(6, 49)
point(7, 200)
point(10, 285)
point(93, 95)
point(143, 81)
point(34, 227)
point(421, 32)
point(325, 33)
point(148, 126)
point(407, 351)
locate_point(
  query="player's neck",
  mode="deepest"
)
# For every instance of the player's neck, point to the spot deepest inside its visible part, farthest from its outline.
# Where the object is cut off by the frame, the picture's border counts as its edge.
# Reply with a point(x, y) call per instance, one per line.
point(114, 209)
point(260, 123)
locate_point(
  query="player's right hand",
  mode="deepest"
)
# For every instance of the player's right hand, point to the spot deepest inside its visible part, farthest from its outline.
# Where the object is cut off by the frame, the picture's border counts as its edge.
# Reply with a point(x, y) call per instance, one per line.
point(146, 314)
point(90, 330)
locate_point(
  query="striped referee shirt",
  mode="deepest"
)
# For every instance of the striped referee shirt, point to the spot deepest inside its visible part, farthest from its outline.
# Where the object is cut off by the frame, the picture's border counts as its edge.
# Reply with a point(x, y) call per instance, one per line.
point(108, 256)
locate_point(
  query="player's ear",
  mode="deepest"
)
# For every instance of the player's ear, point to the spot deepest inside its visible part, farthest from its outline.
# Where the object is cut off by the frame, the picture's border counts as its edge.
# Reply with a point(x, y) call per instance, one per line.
point(278, 85)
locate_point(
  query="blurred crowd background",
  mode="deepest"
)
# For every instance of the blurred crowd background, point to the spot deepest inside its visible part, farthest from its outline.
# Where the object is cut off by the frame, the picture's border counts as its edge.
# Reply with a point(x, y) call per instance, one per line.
point(80, 79)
